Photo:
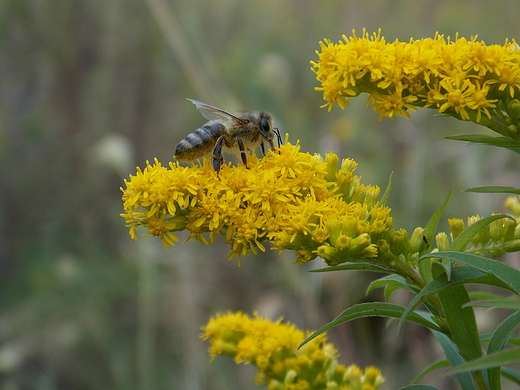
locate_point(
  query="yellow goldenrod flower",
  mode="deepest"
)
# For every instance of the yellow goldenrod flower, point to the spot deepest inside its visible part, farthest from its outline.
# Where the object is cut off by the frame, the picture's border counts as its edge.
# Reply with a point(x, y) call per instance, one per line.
point(289, 198)
point(463, 78)
point(273, 348)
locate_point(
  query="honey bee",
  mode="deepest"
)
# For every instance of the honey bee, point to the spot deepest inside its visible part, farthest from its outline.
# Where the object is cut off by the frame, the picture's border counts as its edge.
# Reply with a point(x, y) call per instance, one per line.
point(240, 131)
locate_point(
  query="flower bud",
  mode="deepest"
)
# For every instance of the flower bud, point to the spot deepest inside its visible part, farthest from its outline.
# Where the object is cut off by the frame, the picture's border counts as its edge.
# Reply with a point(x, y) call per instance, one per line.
point(513, 204)
point(361, 246)
point(331, 160)
point(176, 223)
point(304, 256)
point(371, 195)
point(339, 374)
point(290, 377)
point(332, 386)
point(399, 242)
point(303, 362)
point(354, 373)
point(346, 179)
point(333, 226)
point(502, 230)
point(443, 243)
point(513, 109)
point(373, 376)
point(275, 385)
point(343, 242)
point(482, 236)
point(327, 253)
point(513, 130)
point(512, 246)
point(345, 184)
point(456, 227)
point(417, 240)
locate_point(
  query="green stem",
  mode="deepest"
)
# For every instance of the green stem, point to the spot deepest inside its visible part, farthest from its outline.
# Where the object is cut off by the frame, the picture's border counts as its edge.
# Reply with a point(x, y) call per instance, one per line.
point(480, 384)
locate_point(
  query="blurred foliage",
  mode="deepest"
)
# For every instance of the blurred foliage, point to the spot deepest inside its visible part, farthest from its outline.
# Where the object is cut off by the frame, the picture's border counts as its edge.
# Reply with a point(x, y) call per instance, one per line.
point(90, 89)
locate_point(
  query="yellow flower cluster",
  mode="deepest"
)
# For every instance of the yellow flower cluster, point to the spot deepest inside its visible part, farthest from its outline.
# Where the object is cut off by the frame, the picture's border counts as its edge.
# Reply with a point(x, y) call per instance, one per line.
point(463, 78)
point(273, 348)
point(297, 201)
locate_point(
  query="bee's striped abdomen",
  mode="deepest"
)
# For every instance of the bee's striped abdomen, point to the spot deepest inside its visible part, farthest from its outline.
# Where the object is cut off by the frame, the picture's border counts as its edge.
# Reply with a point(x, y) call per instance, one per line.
point(200, 142)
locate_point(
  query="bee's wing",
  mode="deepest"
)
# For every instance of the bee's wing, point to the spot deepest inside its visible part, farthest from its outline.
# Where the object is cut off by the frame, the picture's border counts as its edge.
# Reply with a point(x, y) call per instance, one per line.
point(211, 112)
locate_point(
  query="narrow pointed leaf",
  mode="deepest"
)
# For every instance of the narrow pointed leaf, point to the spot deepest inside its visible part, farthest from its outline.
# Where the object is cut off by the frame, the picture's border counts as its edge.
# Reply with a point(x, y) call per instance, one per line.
point(375, 309)
point(508, 276)
point(435, 366)
point(393, 282)
point(355, 267)
point(502, 142)
point(429, 231)
point(498, 341)
point(386, 194)
point(461, 320)
point(453, 355)
point(512, 303)
point(509, 356)
point(494, 189)
point(510, 374)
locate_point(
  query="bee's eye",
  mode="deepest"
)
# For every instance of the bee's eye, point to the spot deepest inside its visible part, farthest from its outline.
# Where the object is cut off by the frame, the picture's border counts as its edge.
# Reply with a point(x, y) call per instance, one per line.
point(265, 125)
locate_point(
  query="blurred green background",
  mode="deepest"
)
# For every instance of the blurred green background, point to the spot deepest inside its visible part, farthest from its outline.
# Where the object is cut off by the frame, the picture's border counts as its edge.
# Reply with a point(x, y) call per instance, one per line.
point(91, 89)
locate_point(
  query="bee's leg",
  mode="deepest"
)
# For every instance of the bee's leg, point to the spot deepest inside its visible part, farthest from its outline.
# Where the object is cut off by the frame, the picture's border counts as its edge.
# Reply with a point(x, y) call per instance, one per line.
point(243, 153)
point(278, 136)
point(218, 160)
point(263, 148)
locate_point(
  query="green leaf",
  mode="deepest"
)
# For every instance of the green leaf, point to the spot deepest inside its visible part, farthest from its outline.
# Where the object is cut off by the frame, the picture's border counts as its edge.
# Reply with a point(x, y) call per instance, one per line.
point(459, 275)
point(386, 194)
point(498, 341)
point(429, 231)
point(502, 142)
point(418, 387)
point(510, 374)
point(467, 234)
point(494, 189)
point(431, 368)
point(508, 277)
point(375, 309)
point(390, 283)
point(509, 356)
point(483, 295)
point(355, 267)
point(509, 303)
point(390, 288)
point(461, 320)
point(453, 355)
point(503, 333)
